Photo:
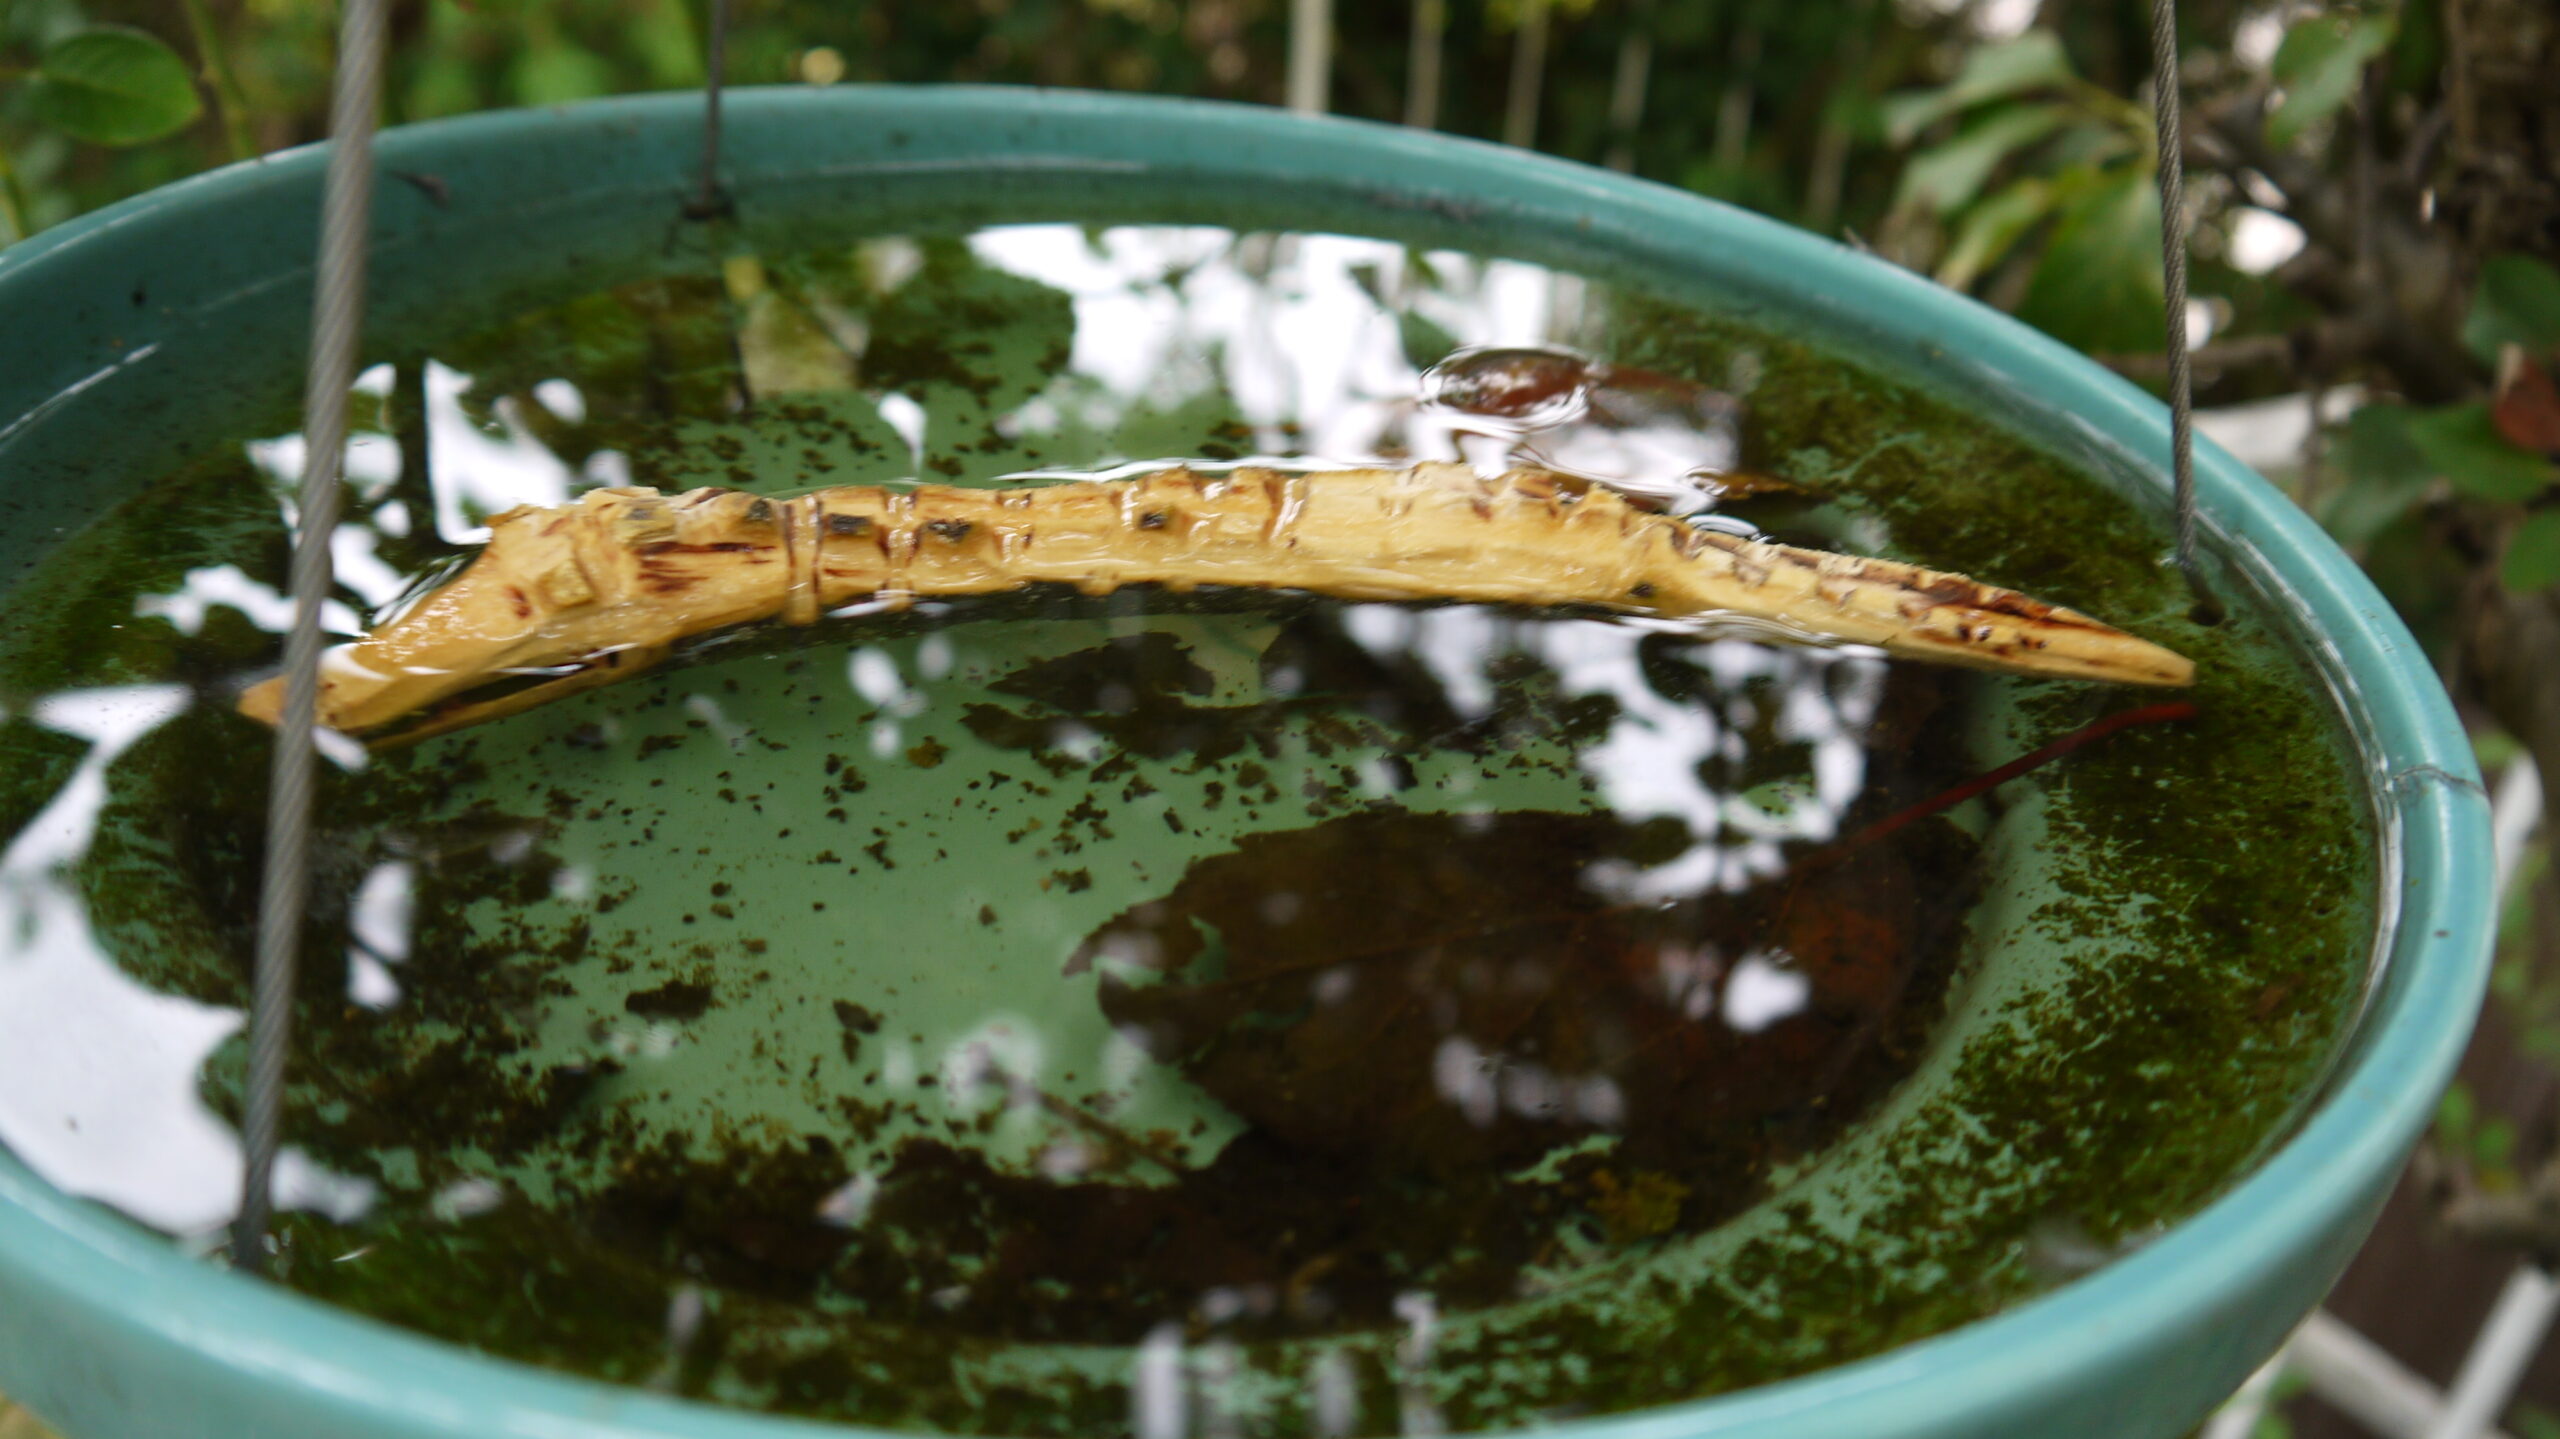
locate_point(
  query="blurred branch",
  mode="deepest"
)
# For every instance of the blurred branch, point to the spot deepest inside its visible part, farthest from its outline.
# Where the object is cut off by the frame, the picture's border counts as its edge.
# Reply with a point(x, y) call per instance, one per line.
point(2457, 71)
point(2385, 276)
point(2426, 141)
point(13, 215)
point(2244, 353)
point(2307, 485)
point(2312, 354)
point(2508, 650)
point(1627, 86)
point(229, 100)
point(2525, 1219)
point(1422, 68)
point(1528, 75)
point(2230, 136)
point(1733, 113)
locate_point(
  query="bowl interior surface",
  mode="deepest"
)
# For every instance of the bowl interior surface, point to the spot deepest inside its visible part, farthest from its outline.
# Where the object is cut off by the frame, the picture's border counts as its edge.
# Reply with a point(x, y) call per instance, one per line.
point(156, 319)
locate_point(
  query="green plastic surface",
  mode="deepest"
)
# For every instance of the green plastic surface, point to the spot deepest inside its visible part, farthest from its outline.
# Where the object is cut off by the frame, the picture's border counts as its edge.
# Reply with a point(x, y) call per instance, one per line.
point(136, 310)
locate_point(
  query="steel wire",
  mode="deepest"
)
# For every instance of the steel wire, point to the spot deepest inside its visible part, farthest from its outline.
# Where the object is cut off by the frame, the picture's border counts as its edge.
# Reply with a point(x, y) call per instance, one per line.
point(709, 201)
point(2168, 129)
point(337, 317)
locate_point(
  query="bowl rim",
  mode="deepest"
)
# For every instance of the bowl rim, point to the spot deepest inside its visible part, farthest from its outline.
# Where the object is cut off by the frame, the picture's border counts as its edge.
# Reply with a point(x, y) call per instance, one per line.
point(2424, 781)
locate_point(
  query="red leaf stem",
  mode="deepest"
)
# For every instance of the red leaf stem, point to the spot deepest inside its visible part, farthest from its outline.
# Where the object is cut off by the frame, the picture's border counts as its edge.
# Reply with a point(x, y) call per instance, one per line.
point(2091, 733)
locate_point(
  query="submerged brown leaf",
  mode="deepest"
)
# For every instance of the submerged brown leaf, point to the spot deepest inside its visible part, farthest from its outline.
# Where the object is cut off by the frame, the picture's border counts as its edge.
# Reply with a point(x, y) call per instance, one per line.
point(1463, 990)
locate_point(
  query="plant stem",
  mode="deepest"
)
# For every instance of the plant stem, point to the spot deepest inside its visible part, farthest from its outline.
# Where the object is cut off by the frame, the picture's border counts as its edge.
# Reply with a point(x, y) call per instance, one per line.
point(227, 95)
point(1528, 76)
point(13, 215)
point(2173, 712)
point(1422, 69)
point(2111, 107)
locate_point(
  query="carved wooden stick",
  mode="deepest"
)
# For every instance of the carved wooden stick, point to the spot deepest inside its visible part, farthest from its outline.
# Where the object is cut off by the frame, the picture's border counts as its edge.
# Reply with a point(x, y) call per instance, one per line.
point(591, 591)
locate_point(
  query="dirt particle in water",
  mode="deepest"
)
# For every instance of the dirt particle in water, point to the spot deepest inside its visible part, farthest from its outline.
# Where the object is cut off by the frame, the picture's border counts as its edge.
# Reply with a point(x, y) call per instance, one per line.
point(675, 999)
point(927, 754)
point(1004, 729)
point(1641, 1206)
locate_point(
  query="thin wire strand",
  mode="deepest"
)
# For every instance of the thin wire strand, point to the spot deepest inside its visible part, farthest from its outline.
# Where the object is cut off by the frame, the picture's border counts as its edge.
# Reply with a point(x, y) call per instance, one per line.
point(1422, 64)
point(1310, 75)
point(337, 315)
point(2173, 263)
point(709, 200)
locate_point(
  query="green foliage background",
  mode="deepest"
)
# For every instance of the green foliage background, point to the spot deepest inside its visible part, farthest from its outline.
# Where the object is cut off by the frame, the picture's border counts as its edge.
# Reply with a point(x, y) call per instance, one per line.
point(2002, 146)
point(2013, 162)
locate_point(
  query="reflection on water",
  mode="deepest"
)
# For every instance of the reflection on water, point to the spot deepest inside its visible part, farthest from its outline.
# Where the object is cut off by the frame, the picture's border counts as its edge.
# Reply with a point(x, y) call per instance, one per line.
point(832, 1022)
point(100, 1071)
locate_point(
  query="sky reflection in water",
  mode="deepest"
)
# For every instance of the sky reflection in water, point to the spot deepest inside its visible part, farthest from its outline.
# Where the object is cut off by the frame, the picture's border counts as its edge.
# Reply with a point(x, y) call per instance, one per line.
point(99, 1075)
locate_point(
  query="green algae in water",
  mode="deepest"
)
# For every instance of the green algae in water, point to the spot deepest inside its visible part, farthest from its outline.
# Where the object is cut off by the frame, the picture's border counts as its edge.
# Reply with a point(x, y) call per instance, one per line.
point(1002, 1017)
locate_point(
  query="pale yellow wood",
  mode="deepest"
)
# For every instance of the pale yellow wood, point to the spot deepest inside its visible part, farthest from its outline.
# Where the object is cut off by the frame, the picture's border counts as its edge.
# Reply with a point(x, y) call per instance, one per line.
point(17, 1423)
point(594, 591)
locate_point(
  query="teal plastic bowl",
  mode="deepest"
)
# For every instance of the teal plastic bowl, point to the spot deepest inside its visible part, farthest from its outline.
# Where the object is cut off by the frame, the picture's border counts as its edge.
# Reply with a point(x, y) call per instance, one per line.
point(125, 328)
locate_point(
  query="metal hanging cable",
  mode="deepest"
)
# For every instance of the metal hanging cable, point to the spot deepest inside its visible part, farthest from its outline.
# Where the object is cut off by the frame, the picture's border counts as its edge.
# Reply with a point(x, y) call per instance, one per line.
point(336, 329)
point(709, 201)
point(337, 315)
point(2167, 128)
point(337, 321)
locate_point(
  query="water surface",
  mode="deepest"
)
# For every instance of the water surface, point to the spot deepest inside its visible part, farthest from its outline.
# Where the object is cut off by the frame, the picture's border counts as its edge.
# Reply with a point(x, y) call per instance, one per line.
point(1048, 1014)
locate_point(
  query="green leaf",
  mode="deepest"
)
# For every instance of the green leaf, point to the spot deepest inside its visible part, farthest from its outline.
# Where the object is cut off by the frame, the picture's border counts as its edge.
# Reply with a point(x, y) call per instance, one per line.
point(34, 765)
point(2318, 65)
point(2515, 920)
point(2454, 1115)
point(665, 38)
point(1946, 177)
point(2533, 556)
point(113, 86)
point(2495, 1146)
point(2385, 473)
point(2495, 749)
point(2518, 303)
point(2461, 445)
point(1991, 228)
point(1425, 342)
point(2531, 1421)
point(1373, 283)
point(2098, 286)
point(556, 72)
point(2095, 146)
point(444, 83)
point(2417, 55)
point(2033, 61)
point(2425, 580)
